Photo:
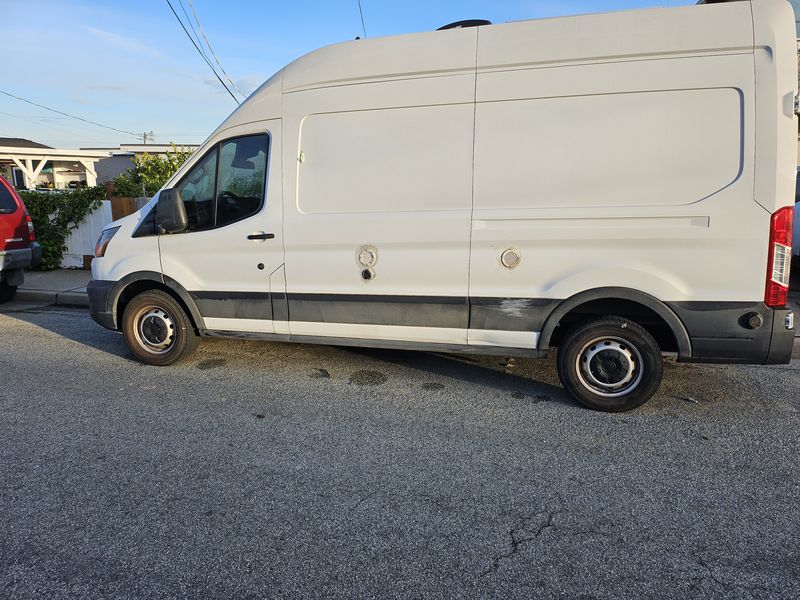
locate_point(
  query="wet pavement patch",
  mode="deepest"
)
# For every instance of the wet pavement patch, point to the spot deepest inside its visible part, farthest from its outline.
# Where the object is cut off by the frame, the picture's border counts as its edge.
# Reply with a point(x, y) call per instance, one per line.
point(213, 363)
point(364, 378)
point(432, 386)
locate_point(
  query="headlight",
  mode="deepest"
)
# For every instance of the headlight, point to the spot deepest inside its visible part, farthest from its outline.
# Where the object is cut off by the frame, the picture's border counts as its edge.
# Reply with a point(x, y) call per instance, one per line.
point(102, 243)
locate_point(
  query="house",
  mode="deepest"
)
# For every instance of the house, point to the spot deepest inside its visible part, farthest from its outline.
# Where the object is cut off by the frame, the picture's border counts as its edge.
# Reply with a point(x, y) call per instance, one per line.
point(28, 165)
point(120, 159)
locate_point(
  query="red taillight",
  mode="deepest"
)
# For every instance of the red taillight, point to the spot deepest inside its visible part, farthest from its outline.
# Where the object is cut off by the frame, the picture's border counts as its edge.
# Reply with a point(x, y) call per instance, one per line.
point(780, 258)
point(31, 230)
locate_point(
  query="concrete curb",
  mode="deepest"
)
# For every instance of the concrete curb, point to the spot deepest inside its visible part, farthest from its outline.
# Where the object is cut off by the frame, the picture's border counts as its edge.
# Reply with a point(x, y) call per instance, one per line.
point(79, 299)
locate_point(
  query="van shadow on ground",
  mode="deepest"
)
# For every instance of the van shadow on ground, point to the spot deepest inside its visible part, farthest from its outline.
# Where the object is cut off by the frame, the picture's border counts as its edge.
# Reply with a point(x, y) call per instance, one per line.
point(473, 369)
point(476, 370)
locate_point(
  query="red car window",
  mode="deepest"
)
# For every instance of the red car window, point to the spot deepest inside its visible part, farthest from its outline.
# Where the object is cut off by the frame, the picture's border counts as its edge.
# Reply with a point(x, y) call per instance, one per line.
point(7, 202)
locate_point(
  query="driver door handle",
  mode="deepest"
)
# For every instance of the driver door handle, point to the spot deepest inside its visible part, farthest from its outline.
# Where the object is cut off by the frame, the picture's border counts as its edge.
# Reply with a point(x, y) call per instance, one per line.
point(261, 236)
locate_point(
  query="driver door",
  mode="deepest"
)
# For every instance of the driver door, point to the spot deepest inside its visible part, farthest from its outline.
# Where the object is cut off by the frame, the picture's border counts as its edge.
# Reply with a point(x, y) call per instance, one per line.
point(231, 257)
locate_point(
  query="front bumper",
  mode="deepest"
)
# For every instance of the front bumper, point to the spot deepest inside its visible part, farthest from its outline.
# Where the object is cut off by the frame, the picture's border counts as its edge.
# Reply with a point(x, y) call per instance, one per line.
point(100, 303)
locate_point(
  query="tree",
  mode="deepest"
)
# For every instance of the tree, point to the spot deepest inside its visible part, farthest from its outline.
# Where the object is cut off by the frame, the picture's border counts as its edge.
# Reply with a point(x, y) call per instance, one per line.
point(150, 172)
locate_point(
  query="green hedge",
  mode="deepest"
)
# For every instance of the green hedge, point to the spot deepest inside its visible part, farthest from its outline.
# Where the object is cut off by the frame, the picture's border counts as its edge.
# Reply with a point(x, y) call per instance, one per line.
point(56, 214)
point(150, 172)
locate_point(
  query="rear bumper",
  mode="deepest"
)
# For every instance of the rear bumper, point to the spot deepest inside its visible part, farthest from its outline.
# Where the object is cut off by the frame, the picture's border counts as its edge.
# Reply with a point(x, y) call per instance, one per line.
point(737, 332)
point(12, 262)
point(100, 305)
point(782, 344)
point(21, 258)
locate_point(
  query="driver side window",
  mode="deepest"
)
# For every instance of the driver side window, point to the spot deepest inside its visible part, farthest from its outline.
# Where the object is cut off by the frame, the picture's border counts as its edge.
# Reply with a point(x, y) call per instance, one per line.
point(240, 185)
point(228, 184)
point(197, 191)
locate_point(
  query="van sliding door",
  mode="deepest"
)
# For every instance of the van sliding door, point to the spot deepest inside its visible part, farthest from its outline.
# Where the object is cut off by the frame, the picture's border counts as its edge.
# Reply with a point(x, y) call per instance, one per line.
point(378, 207)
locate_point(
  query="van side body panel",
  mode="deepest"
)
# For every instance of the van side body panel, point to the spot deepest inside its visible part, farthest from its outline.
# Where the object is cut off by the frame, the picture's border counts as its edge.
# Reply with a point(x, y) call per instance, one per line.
point(622, 172)
point(635, 156)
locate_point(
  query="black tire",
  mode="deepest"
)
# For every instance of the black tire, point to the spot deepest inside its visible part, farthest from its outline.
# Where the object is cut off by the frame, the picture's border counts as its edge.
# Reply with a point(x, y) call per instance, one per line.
point(157, 329)
point(610, 364)
point(7, 292)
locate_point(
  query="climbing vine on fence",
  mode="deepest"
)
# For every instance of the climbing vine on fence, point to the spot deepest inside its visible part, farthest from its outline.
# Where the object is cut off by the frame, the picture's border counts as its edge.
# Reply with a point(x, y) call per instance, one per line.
point(56, 214)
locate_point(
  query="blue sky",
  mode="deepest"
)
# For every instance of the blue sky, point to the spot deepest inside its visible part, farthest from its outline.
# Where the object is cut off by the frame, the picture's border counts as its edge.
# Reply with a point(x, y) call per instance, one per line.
point(130, 66)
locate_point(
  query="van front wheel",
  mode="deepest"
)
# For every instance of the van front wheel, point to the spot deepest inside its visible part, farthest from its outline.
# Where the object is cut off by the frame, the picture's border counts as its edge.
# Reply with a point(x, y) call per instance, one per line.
point(610, 364)
point(157, 329)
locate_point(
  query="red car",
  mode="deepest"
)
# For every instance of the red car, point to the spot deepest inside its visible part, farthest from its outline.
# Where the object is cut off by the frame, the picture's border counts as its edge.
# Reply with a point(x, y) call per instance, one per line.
point(18, 246)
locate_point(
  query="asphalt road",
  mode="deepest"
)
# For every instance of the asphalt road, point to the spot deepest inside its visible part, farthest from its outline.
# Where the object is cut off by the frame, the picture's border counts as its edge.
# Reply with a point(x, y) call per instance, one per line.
point(277, 470)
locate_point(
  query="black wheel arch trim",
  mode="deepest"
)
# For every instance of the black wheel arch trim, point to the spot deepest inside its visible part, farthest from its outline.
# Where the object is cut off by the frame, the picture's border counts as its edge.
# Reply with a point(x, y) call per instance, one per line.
point(618, 293)
point(171, 284)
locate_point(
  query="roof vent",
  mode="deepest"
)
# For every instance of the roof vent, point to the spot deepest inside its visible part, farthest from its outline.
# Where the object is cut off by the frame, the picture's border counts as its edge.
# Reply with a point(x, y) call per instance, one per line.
point(464, 24)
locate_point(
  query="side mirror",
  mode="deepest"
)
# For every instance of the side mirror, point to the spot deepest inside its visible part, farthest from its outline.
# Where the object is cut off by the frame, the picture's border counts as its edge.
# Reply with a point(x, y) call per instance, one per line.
point(170, 212)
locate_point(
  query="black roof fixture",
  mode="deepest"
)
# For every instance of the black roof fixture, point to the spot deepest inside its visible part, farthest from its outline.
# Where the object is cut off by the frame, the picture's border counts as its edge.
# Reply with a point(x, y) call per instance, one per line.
point(464, 24)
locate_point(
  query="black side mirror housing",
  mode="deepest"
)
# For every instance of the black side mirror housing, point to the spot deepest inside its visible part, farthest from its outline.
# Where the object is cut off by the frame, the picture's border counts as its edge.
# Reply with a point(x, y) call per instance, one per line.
point(170, 212)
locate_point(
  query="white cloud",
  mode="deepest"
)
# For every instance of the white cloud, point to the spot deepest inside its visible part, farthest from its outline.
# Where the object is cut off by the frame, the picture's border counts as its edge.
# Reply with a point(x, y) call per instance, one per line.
point(83, 100)
point(105, 87)
point(126, 43)
point(247, 84)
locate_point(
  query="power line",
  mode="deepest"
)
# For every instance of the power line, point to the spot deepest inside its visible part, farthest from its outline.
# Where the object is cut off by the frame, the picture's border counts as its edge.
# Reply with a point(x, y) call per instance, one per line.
point(210, 66)
point(361, 12)
point(136, 135)
point(189, 20)
point(49, 126)
point(196, 47)
point(214, 54)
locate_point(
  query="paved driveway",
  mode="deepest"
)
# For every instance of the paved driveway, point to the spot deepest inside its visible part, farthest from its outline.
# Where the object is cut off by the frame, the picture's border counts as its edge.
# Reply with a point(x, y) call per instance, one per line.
point(278, 470)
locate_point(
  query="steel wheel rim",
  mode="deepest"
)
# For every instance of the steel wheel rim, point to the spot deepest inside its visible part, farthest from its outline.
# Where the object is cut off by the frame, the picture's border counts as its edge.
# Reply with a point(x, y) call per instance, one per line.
point(609, 366)
point(154, 329)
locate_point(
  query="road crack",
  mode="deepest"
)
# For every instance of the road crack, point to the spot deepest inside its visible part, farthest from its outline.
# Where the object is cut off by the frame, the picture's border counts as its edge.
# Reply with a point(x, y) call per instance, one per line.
point(530, 529)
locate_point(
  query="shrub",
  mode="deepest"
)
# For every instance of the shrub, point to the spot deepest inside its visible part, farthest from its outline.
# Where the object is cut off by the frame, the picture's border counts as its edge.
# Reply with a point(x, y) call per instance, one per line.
point(56, 214)
point(150, 172)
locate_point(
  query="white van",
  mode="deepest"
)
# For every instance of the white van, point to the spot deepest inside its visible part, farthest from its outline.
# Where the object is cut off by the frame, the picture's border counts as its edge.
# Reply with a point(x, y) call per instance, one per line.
point(613, 186)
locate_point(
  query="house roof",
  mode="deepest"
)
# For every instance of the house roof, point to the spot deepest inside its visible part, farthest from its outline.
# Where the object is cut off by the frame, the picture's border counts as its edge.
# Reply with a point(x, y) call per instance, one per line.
point(20, 143)
point(142, 148)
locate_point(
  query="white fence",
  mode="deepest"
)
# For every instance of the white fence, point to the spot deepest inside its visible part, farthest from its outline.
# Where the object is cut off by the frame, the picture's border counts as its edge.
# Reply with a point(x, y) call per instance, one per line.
point(81, 241)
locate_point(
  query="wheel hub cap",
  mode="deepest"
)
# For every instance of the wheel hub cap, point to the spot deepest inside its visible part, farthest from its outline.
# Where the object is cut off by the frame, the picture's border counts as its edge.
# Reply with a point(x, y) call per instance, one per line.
point(155, 330)
point(609, 366)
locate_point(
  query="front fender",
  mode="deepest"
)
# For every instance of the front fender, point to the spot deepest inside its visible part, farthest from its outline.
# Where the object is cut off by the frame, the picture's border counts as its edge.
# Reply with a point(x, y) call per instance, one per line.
point(120, 286)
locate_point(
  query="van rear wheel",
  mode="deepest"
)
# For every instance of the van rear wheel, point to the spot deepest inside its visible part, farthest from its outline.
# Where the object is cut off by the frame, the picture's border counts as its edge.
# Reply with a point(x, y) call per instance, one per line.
point(610, 364)
point(157, 330)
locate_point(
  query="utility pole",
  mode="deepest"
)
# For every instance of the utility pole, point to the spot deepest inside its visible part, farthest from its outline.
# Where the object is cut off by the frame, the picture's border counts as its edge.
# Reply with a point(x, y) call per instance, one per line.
point(148, 135)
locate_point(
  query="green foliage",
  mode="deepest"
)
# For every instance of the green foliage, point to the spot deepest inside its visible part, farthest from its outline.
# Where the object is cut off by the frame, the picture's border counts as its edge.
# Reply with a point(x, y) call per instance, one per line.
point(150, 172)
point(247, 186)
point(56, 214)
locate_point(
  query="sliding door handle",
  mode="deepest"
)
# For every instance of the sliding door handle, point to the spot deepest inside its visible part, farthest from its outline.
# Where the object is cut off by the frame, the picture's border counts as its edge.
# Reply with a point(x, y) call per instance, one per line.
point(261, 236)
